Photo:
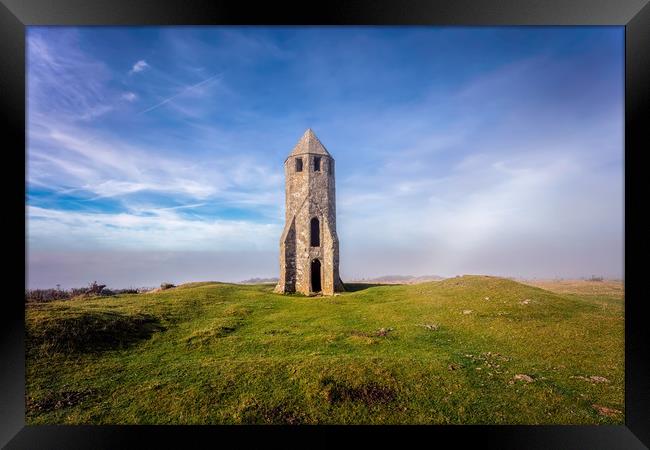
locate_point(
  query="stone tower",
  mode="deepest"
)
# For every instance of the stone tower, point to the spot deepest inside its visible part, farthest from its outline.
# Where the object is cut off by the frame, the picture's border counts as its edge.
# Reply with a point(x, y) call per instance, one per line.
point(309, 247)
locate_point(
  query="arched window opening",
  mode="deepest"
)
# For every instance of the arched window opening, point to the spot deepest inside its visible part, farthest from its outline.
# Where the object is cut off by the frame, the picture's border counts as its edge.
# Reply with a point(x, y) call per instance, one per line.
point(298, 164)
point(315, 232)
point(317, 164)
point(315, 276)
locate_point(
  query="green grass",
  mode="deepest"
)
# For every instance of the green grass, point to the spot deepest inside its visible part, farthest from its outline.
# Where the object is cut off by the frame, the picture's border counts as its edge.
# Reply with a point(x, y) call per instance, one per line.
point(217, 353)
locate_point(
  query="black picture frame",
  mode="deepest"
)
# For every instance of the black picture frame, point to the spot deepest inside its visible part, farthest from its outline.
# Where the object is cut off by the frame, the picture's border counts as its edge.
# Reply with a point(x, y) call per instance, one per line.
point(15, 15)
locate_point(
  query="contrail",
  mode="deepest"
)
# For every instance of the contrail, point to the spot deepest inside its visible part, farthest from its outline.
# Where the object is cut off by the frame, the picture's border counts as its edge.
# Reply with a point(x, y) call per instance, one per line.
point(189, 88)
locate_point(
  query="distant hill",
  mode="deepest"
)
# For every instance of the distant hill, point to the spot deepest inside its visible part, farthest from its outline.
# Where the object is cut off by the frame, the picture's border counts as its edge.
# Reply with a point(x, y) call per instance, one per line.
point(400, 279)
point(259, 280)
point(385, 279)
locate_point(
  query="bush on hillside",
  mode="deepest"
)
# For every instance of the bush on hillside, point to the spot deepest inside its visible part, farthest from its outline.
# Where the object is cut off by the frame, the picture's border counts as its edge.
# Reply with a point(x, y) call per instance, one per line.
point(93, 289)
point(45, 295)
point(126, 291)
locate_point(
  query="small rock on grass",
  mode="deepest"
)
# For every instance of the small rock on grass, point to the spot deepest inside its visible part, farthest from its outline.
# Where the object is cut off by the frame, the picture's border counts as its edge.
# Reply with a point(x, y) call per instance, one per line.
point(523, 377)
point(430, 326)
point(593, 378)
point(467, 311)
point(598, 379)
point(605, 411)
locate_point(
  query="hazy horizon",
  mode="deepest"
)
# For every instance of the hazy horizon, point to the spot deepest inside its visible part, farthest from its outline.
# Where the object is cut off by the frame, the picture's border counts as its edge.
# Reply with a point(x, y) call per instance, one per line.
point(133, 269)
point(155, 154)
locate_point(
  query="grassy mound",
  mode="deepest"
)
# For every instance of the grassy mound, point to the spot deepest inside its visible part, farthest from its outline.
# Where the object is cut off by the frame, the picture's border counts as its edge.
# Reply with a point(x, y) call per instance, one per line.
point(87, 331)
point(471, 349)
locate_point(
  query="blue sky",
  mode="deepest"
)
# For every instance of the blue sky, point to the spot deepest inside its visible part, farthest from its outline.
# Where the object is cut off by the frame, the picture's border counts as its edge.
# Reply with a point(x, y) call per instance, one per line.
point(156, 153)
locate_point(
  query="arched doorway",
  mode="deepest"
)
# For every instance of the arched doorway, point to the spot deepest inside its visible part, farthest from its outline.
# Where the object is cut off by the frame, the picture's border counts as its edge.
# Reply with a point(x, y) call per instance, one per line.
point(315, 276)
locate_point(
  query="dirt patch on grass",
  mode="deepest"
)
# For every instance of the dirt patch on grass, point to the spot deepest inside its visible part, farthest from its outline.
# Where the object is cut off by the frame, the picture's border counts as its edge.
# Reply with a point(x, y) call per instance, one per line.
point(491, 360)
point(252, 412)
point(369, 393)
point(284, 414)
point(491, 364)
point(382, 332)
point(57, 400)
point(90, 331)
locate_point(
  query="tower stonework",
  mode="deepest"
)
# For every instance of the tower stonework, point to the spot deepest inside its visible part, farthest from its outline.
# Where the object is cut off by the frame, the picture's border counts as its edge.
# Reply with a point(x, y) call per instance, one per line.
point(309, 247)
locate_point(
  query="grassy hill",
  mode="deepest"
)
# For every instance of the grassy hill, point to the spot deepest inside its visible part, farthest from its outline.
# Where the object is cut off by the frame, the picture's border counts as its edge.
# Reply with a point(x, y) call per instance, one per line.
point(464, 350)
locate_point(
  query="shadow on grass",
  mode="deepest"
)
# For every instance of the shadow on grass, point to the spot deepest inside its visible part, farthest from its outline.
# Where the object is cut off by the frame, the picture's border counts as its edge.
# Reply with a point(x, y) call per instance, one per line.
point(354, 287)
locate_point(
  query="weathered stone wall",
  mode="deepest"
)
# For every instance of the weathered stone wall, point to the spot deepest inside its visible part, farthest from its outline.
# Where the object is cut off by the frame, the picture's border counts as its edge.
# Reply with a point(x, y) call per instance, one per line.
point(309, 193)
point(287, 281)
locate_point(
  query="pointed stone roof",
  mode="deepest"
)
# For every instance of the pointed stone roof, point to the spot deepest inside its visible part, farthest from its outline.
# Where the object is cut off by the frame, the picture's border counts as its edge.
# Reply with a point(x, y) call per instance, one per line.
point(309, 143)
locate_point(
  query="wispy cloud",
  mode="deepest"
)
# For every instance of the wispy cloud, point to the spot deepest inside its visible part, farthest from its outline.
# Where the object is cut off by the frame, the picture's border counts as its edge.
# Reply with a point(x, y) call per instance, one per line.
point(157, 229)
point(183, 91)
point(64, 81)
point(109, 167)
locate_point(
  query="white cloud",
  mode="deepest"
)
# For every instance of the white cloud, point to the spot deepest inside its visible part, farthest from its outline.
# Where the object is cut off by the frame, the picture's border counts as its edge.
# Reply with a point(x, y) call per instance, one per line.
point(129, 96)
point(139, 66)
